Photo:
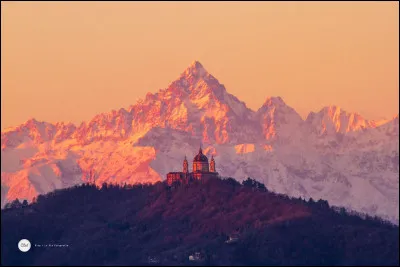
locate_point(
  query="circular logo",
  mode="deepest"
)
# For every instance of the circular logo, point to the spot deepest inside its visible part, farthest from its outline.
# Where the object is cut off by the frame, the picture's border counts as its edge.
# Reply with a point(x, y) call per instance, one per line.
point(24, 245)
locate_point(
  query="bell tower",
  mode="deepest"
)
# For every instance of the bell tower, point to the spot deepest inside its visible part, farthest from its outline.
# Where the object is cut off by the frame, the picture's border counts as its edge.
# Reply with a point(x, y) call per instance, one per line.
point(212, 164)
point(185, 166)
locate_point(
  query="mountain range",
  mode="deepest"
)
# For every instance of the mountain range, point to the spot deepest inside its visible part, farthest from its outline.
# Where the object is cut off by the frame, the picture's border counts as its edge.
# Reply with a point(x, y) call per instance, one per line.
point(333, 154)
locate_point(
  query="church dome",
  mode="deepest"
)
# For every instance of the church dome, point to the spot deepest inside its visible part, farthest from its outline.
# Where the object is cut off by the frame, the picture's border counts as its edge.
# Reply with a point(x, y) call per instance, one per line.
point(200, 157)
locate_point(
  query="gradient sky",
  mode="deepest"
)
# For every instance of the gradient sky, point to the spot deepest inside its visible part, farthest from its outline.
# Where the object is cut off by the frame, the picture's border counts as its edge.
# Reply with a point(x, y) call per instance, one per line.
point(68, 61)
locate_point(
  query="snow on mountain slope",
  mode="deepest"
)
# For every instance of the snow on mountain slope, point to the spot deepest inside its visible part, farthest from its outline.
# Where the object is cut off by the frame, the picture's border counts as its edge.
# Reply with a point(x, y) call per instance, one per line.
point(244, 148)
point(332, 119)
point(332, 155)
point(31, 130)
point(279, 122)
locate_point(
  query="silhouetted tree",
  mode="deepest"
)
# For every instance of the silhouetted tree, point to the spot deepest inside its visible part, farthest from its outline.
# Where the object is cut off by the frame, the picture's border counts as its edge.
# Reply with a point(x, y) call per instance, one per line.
point(16, 204)
point(254, 184)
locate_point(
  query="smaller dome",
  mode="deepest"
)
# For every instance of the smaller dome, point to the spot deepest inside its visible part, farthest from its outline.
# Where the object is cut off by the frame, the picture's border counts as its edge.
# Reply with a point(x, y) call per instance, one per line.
point(200, 157)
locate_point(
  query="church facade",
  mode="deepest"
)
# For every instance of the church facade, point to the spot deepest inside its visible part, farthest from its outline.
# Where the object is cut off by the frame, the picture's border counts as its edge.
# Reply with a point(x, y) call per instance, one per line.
point(201, 170)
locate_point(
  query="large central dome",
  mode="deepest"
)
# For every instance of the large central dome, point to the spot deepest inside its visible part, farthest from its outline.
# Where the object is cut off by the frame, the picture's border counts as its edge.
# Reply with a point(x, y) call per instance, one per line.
point(200, 157)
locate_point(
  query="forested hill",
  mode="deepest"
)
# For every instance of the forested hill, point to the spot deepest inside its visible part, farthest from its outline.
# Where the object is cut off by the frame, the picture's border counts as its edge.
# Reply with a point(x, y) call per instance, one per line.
point(216, 222)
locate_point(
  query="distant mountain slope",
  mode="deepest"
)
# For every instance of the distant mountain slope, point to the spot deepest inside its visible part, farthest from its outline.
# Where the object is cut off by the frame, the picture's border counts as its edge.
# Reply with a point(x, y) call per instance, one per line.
point(117, 226)
point(333, 154)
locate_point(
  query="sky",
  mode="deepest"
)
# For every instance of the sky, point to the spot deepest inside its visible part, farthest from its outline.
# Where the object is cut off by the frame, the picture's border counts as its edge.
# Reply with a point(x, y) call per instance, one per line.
point(68, 61)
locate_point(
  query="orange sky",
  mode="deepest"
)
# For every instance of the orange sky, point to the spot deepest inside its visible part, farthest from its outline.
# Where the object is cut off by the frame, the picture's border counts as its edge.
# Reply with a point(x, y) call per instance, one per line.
point(65, 61)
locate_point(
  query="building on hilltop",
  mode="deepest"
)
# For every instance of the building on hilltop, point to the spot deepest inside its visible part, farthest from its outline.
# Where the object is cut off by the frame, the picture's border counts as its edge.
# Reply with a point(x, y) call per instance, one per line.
point(201, 170)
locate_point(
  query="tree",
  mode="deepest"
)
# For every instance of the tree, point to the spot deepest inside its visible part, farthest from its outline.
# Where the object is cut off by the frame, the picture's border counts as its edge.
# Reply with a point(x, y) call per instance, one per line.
point(24, 203)
point(323, 203)
point(232, 181)
point(16, 204)
point(254, 184)
point(40, 199)
point(342, 211)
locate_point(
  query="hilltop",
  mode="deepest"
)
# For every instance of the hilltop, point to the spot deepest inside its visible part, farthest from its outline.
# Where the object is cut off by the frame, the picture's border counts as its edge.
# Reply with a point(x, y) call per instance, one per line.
point(155, 224)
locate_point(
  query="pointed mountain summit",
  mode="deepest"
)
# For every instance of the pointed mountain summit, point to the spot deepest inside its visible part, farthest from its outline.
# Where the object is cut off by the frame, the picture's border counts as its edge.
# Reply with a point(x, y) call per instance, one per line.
point(195, 66)
point(278, 119)
point(194, 102)
point(276, 107)
point(195, 70)
point(196, 79)
point(205, 91)
point(274, 101)
point(333, 119)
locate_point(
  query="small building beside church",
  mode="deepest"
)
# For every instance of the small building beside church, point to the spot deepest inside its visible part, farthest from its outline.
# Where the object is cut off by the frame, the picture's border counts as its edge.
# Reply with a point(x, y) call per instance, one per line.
point(201, 170)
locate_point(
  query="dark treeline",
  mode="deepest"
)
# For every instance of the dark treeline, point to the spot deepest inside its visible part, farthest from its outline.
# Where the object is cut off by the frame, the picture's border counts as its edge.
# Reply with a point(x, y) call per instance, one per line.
point(218, 222)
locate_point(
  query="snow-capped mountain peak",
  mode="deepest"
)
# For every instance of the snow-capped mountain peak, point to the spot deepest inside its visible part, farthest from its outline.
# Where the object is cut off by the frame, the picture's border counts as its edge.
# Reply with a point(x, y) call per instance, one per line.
point(332, 119)
point(195, 69)
point(274, 101)
point(277, 119)
point(196, 80)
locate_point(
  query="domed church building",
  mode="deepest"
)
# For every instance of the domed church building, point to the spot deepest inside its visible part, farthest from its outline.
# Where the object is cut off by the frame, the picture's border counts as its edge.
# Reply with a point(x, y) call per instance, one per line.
point(201, 170)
